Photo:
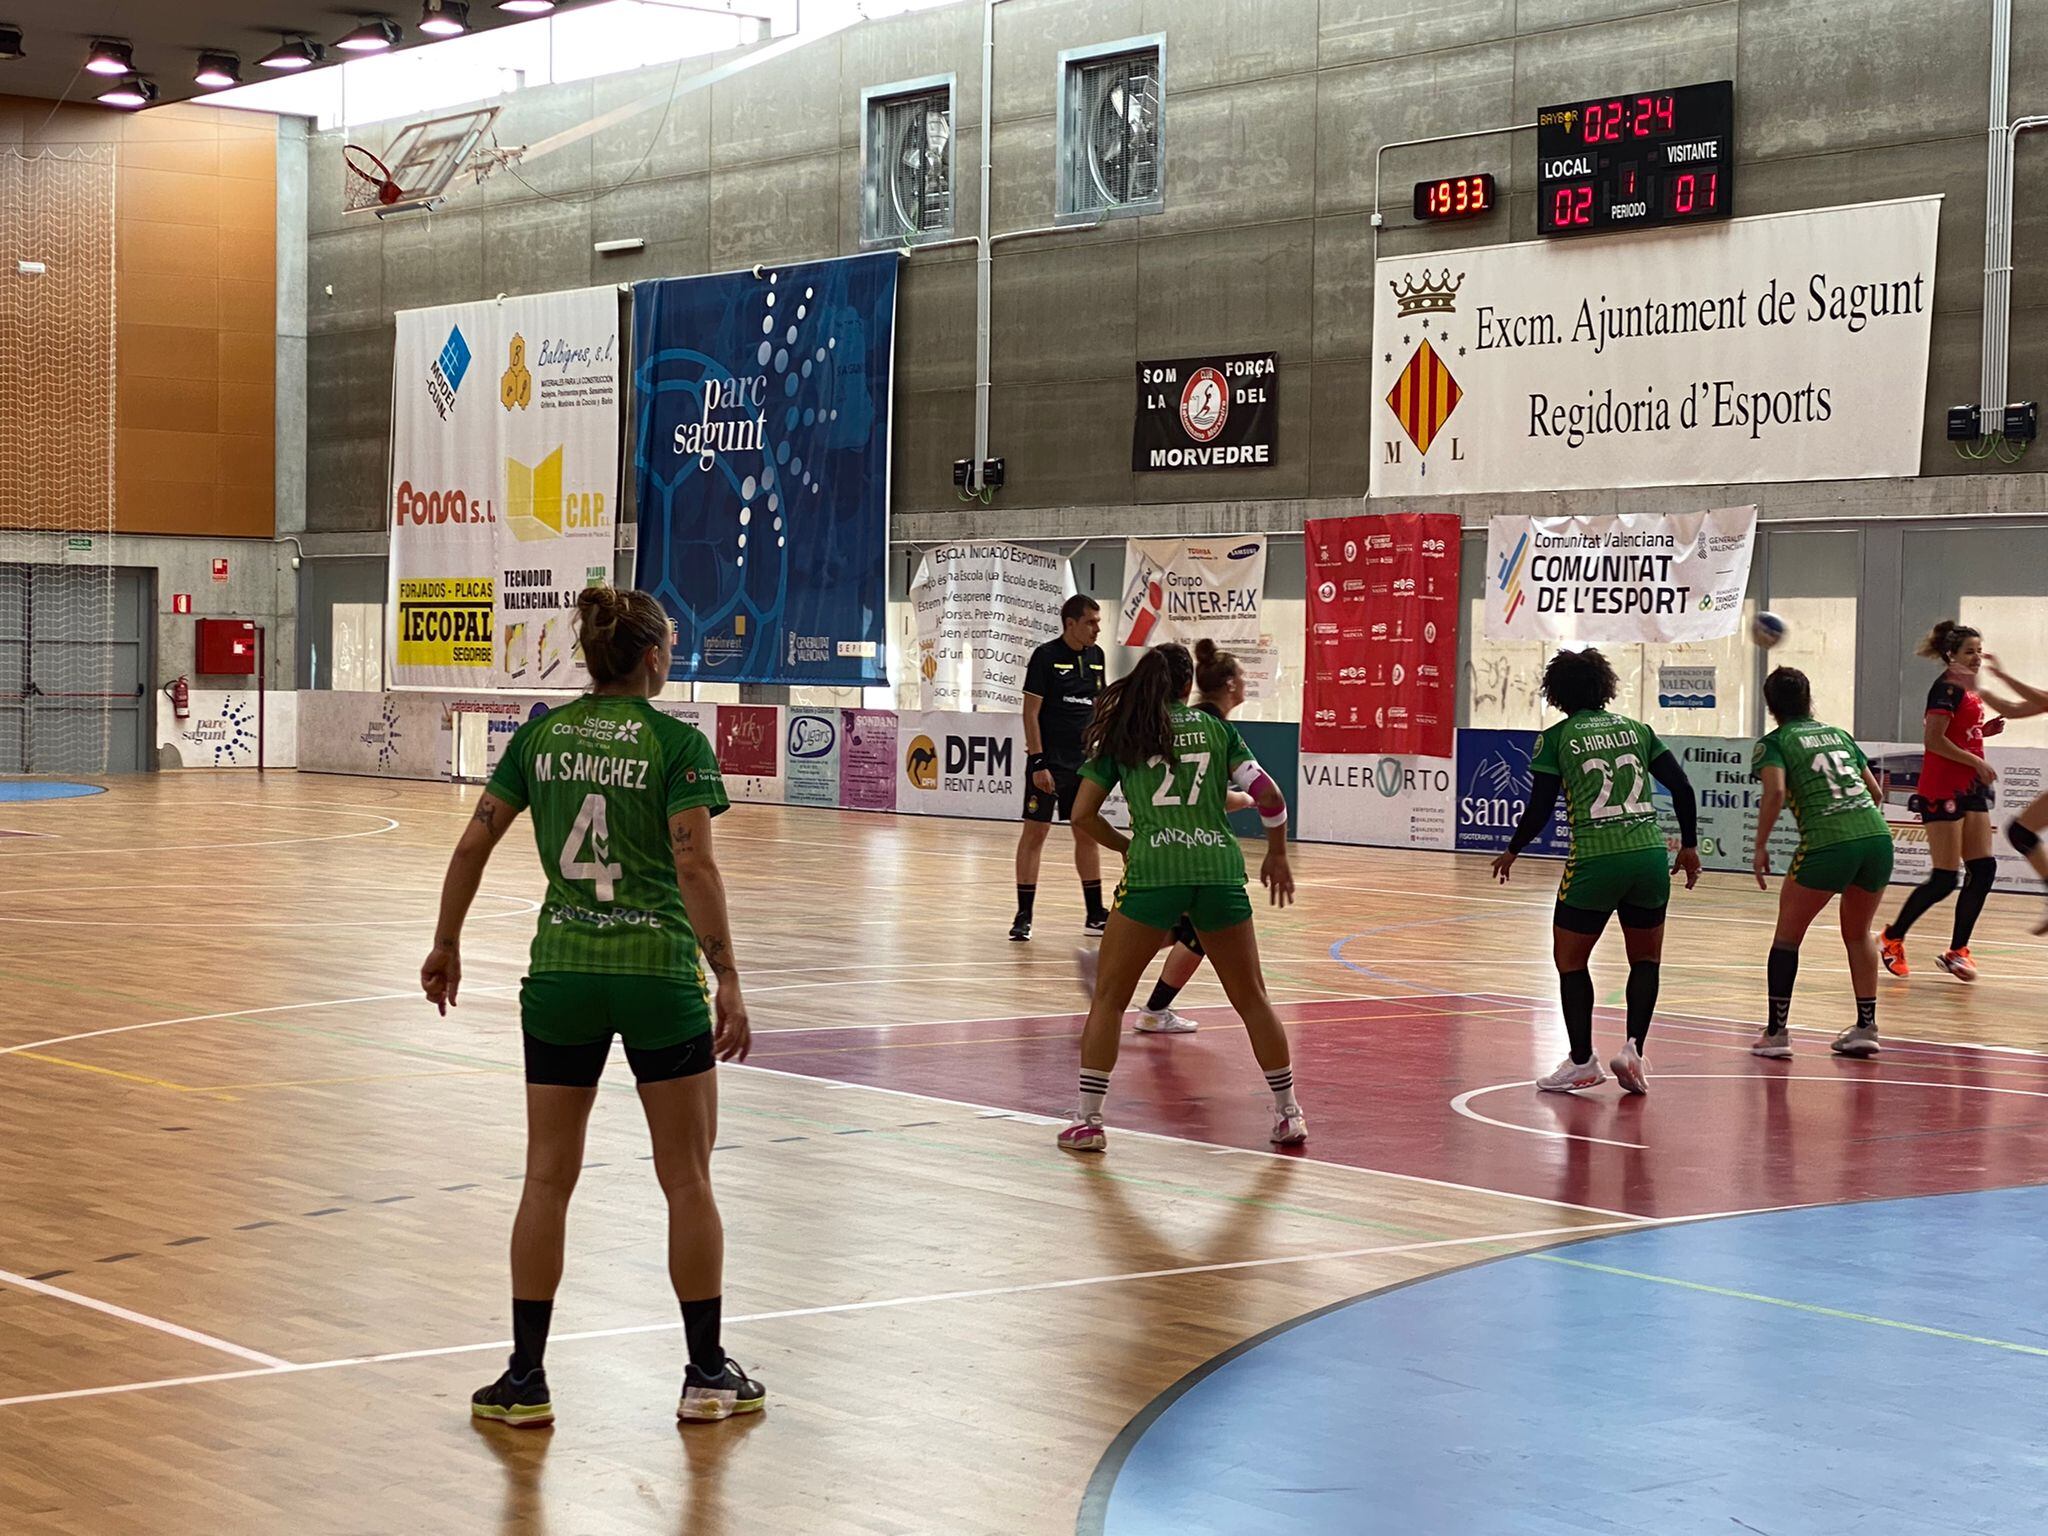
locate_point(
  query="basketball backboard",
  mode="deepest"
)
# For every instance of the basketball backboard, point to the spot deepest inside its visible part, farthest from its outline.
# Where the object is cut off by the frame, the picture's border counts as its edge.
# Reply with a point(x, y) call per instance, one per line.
point(416, 170)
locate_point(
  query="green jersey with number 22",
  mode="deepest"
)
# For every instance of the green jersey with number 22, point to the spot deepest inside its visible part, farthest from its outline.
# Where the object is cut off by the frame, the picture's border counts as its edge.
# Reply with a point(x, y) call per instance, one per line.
point(1604, 761)
point(1823, 780)
point(1180, 827)
point(602, 777)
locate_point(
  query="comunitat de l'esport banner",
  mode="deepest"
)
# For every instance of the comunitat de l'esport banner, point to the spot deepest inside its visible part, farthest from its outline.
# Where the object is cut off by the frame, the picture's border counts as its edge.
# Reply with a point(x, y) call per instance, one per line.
point(761, 409)
point(1207, 413)
point(1792, 346)
point(981, 610)
point(504, 481)
point(1618, 577)
point(1184, 589)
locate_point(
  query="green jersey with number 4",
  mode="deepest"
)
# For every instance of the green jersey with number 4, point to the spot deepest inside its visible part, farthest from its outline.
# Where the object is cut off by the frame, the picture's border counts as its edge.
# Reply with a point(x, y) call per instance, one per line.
point(1604, 761)
point(1180, 830)
point(1823, 780)
point(602, 777)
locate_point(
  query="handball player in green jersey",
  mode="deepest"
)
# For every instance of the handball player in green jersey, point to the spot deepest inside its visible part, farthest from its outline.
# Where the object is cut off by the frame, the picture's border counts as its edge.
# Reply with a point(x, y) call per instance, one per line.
point(622, 797)
point(1604, 764)
point(1176, 766)
point(1845, 848)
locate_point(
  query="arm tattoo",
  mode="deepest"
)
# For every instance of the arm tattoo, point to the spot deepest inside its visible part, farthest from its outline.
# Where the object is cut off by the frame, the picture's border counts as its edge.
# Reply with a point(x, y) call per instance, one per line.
point(718, 955)
point(486, 816)
point(681, 839)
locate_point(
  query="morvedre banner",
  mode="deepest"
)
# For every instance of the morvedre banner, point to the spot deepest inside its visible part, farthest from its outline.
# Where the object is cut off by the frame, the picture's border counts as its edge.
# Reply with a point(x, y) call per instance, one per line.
point(1207, 413)
point(761, 413)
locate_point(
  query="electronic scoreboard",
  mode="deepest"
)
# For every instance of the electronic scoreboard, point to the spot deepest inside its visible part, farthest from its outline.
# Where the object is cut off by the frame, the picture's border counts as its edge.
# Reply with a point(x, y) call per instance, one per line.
point(1636, 161)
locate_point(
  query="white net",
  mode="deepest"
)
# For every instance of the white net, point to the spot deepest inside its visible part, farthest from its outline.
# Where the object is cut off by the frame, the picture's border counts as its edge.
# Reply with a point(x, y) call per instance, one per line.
point(57, 597)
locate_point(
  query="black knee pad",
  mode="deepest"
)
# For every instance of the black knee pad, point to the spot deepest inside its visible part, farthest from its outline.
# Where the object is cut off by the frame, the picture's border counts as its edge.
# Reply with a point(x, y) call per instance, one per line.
point(1982, 872)
point(2025, 839)
point(1941, 882)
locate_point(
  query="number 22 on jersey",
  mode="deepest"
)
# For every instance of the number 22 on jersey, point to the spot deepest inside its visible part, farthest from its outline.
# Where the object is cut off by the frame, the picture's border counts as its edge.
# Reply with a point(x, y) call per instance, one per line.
point(590, 826)
point(1633, 803)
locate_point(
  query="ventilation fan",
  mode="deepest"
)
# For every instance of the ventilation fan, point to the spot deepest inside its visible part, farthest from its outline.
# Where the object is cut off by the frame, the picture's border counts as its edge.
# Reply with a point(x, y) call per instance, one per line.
point(920, 165)
point(1123, 130)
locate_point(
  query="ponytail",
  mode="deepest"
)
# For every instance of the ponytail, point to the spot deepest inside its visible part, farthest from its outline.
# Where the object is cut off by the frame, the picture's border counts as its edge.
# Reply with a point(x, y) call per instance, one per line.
point(1214, 670)
point(1945, 639)
point(1132, 723)
point(615, 629)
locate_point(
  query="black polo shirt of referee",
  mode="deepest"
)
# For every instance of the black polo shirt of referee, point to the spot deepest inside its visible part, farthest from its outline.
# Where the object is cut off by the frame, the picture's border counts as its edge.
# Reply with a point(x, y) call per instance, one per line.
point(1066, 682)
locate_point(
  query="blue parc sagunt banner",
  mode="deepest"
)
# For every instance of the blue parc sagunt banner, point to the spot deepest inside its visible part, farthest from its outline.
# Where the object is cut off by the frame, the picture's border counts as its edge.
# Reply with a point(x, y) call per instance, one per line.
point(762, 465)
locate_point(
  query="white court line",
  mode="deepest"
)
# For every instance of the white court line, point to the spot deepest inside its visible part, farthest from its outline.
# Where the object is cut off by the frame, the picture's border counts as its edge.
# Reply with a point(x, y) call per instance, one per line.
point(1187, 1141)
point(491, 1346)
point(253, 805)
point(190, 1335)
point(1462, 1104)
point(237, 1013)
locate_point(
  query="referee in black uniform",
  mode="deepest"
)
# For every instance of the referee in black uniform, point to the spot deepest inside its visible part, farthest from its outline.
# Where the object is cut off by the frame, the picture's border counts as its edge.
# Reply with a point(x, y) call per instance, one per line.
point(1059, 695)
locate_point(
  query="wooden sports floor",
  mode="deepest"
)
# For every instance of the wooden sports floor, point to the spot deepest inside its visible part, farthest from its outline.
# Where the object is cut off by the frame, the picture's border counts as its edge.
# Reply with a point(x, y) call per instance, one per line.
point(255, 1194)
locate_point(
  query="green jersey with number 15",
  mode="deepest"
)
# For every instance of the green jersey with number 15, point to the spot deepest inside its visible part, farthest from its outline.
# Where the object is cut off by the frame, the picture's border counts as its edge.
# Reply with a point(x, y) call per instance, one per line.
point(602, 777)
point(1823, 780)
point(1180, 828)
point(1604, 761)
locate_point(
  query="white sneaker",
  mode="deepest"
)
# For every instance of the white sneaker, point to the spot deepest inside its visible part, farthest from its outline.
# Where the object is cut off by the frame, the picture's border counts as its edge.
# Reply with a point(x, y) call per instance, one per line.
point(1628, 1069)
point(1164, 1022)
point(1859, 1040)
point(1773, 1045)
point(1290, 1127)
point(1570, 1076)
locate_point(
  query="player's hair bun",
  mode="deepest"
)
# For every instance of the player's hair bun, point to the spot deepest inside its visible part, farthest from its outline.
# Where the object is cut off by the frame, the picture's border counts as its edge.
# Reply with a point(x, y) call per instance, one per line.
point(615, 628)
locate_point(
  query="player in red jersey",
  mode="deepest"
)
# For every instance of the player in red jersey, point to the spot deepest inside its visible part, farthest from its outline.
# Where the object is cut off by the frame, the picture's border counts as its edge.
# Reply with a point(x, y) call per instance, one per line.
point(1954, 798)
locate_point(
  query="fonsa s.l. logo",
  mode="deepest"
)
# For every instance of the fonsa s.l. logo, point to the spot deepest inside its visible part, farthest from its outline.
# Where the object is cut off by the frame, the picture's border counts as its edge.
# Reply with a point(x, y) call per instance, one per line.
point(445, 373)
point(921, 763)
point(537, 506)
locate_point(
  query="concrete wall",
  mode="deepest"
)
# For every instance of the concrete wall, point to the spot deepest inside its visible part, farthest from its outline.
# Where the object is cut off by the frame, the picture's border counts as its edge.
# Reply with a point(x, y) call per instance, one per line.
point(1274, 111)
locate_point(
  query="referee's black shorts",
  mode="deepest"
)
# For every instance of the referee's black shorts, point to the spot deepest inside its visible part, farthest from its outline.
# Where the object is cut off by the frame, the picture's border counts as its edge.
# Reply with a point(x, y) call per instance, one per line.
point(1039, 806)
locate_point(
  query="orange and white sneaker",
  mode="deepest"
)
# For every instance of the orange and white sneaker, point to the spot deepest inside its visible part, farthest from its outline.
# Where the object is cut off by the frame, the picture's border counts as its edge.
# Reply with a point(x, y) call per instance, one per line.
point(1893, 953)
point(1290, 1127)
point(1628, 1069)
point(1569, 1076)
point(1957, 963)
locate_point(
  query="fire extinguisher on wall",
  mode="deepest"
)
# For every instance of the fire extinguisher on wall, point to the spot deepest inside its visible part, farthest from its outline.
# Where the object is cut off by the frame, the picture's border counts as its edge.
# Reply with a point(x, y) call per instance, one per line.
point(181, 698)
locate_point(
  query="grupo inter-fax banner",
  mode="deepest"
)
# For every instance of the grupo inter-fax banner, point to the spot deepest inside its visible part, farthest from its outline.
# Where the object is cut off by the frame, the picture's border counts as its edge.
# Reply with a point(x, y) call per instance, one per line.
point(1787, 347)
point(504, 478)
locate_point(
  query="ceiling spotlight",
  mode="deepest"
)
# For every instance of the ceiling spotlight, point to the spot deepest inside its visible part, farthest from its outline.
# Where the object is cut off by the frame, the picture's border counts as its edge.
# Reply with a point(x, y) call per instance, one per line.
point(445, 18)
point(527, 7)
point(217, 70)
point(376, 34)
point(110, 56)
point(133, 92)
point(10, 42)
point(295, 52)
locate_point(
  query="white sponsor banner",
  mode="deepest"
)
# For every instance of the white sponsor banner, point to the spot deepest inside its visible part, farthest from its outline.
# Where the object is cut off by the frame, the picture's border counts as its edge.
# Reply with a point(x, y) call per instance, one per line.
point(1619, 576)
point(981, 610)
point(1791, 346)
point(957, 764)
point(222, 730)
point(1382, 802)
point(1183, 589)
point(504, 478)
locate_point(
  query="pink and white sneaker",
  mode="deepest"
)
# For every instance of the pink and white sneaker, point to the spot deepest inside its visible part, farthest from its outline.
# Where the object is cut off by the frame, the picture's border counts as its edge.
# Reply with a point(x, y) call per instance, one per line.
point(1290, 1127)
point(1628, 1069)
point(1570, 1076)
point(1084, 1136)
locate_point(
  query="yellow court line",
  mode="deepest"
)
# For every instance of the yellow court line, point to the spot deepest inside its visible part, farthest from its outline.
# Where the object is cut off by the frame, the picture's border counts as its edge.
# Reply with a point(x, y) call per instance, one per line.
point(1796, 1306)
point(130, 1077)
point(379, 1077)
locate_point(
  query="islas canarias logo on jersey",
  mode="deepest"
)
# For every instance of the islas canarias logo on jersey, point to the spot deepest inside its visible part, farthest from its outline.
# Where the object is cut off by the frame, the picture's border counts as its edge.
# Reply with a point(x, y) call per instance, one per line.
point(1425, 393)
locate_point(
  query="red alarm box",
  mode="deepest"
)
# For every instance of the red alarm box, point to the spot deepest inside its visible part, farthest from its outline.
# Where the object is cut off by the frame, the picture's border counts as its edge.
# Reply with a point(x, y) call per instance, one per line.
point(227, 647)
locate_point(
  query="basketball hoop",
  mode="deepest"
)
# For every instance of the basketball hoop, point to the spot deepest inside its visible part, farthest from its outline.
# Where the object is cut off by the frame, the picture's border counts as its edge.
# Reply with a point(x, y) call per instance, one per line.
point(370, 184)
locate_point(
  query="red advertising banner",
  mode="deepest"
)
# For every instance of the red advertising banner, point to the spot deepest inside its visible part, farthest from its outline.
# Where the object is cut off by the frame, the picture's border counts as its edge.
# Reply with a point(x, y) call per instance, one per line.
point(1382, 654)
point(749, 740)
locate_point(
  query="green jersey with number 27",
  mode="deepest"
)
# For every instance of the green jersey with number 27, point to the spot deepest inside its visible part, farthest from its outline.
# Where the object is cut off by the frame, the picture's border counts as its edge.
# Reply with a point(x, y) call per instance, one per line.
point(602, 777)
point(1823, 780)
point(1180, 828)
point(1604, 761)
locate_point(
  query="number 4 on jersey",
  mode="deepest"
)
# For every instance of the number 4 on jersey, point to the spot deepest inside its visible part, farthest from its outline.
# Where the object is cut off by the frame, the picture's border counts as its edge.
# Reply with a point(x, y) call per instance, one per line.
point(590, 823)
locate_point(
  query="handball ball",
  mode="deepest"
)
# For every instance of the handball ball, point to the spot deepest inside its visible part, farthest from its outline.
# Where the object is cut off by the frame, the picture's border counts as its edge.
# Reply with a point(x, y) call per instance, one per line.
point(1767, 629)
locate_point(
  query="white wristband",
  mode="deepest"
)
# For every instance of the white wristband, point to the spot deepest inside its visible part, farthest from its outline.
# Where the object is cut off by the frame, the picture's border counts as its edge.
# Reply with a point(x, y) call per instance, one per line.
point(1277, 819)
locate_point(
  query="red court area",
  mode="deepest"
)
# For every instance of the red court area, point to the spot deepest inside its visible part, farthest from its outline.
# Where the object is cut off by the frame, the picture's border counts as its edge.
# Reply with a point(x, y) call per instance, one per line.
point(1438, 1087)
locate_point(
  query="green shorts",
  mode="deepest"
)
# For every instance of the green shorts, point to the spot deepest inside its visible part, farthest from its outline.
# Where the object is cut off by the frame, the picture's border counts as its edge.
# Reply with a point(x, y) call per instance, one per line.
point(1864, 862)
point(1608, 882)
point(1209, 908)
point(584, 1007)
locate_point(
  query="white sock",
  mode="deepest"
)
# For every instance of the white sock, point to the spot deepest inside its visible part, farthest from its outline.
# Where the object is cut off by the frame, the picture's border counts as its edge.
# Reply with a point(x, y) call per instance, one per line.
point(1094, 1089)
point(1281, 1081)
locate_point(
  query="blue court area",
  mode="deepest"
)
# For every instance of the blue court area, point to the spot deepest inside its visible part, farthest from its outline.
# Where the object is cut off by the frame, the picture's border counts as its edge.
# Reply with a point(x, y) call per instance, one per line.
point(45, 789)
point(1861, 1368)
